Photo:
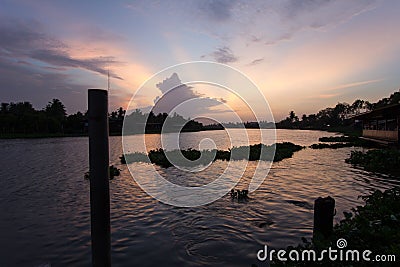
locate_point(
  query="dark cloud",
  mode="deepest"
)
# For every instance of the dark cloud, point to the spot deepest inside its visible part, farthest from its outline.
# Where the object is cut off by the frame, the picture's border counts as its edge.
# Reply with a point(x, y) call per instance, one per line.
point(54, 68)
point(175, 93)
point(217, 10)
point(295, 7)
point(169, 83)
point(256, 61)
point(24, 62)
point(24, 40)
point(19, 37)
point(316, 14)
point(255, 39)
point(285, 37)
point(62, 59)
point(300, 15)
point(38, 88)
point(224, 55)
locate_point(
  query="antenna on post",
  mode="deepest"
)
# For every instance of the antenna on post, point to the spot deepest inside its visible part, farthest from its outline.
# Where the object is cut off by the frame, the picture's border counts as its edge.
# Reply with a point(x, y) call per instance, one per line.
point(108, 80)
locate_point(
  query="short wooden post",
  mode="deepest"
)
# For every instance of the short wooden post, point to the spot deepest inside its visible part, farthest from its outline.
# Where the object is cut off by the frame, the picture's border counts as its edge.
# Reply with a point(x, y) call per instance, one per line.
point(324, 211)
point(99, 177)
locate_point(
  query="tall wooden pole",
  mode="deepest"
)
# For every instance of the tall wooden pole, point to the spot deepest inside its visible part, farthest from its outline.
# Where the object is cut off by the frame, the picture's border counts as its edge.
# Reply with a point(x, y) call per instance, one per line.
point(99, 177)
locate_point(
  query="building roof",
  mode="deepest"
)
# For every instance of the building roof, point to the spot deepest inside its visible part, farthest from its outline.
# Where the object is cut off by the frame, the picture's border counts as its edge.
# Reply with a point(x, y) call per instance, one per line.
point(382, 112)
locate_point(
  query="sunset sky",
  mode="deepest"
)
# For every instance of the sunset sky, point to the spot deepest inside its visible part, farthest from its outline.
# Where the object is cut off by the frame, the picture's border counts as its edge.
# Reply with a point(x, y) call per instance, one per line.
point(303, 55)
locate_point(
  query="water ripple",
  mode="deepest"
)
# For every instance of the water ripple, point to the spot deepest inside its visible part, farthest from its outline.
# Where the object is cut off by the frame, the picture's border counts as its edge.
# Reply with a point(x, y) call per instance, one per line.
point(44, 202)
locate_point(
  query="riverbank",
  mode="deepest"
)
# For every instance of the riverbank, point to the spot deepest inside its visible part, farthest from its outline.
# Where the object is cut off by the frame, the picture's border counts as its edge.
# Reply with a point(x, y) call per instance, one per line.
point(375, 226)
point(38, 136)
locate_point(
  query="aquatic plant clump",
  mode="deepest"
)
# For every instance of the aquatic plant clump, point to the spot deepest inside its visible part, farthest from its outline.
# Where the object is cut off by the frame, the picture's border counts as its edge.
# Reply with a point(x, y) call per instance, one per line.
point(264, 152)
point(192, 157)
point(340, 142)
point(133, 157)
point(332, 146)
point(113, 172)
point(285, 150)
point(377, 160)
point(339, 139)
point(374, 226)
point(239, 194)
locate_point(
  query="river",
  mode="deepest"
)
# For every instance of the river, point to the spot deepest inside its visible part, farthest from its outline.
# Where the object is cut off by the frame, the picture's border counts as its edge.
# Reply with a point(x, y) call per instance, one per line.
point(45, 216)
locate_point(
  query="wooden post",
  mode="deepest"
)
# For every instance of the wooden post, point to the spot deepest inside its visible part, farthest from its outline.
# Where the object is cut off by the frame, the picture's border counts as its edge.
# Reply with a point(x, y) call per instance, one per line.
point(324, 211)
point(99, 177)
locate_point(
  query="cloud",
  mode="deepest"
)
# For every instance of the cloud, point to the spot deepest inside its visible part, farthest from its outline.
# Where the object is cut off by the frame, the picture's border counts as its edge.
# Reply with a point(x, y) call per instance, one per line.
point(36, 67)
point(224, 55)
point(63, 59)
point(295, 7)
point(274, 22)
point(54, 68)
point(323, 96)
point(26, 40)
point(169, 83)
point(27, 84)
point(284, 37)
point(256, 61)
point(19, 36)
point(174, 93)
point(232, 23)
point(217, 10)
point(318, 14)
point(354, 84)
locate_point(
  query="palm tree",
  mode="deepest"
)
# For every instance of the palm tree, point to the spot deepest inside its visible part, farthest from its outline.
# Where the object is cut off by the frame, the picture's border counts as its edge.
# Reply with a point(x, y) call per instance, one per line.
point(56, 109)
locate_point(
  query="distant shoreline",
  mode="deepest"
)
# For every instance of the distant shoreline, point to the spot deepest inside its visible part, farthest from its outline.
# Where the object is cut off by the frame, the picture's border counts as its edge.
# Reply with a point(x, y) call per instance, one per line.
point(46, 136)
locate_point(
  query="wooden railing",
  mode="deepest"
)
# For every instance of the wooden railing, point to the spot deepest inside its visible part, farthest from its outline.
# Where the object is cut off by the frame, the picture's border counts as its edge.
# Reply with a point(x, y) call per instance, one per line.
point(385, 135)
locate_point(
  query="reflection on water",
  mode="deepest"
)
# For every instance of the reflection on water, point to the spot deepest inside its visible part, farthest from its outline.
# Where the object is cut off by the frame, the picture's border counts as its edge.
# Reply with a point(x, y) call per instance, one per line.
point(44, 204)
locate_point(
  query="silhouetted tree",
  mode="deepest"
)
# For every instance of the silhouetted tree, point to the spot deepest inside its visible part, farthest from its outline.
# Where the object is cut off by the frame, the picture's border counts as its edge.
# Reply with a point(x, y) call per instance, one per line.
point(121, 113)
point(56, 115)
point(293, 117)
point(75, 123)
point(56, 109)
point(4, 108)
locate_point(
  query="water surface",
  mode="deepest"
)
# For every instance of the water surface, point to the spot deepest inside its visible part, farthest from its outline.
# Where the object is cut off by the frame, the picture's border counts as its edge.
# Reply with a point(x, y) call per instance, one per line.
point(45, 217)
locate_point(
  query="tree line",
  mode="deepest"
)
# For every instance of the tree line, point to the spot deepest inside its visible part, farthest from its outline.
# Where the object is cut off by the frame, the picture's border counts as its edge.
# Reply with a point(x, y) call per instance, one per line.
point(137, 122)
point(338, 116)
point(21, 119)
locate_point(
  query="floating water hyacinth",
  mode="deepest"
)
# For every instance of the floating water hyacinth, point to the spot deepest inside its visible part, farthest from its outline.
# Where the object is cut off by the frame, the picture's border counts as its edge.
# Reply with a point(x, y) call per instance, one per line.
point(377, 160)
point(193, 157)
point(113, 172)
